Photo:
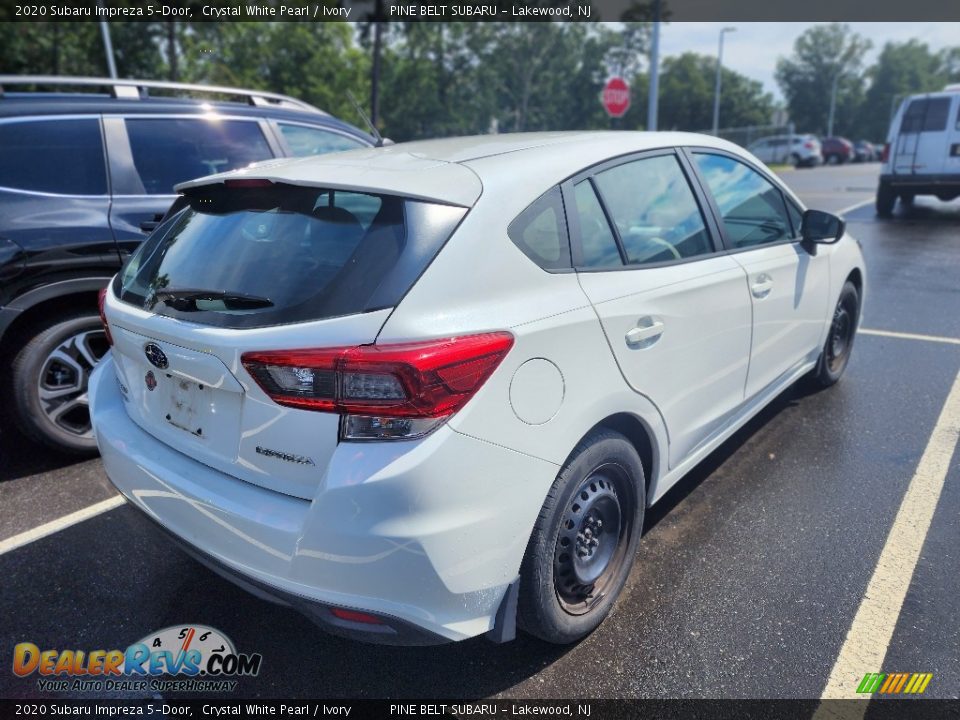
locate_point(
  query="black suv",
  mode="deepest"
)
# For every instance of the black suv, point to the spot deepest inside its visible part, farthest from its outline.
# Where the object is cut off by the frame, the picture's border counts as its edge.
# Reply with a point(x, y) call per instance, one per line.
point(84, 176)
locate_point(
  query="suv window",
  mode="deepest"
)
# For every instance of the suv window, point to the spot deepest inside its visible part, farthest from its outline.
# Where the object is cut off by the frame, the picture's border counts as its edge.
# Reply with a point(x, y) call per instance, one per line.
point(752, 208)
point(53, 156)
point(654, 210)
point(304, 140)
point(167, 151)
point(281, 254)
point(540, 232)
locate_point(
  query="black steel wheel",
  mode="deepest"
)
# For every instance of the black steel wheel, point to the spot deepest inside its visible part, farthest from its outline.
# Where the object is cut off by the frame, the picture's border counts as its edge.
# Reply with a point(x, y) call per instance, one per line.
point(583, 544)
point(843, 330)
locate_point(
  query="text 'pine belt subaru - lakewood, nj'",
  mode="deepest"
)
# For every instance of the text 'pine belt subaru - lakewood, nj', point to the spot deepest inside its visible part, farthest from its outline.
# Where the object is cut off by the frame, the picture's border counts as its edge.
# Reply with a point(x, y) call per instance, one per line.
point(426, 392)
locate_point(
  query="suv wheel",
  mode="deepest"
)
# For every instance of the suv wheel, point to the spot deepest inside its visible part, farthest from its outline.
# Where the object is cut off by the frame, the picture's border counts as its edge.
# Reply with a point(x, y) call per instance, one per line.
point(49, 376)
point(584, 541)
point(886, 197)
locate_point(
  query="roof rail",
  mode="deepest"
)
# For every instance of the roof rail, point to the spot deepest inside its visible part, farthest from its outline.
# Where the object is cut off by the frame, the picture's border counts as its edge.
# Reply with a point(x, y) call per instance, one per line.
point(140, 89)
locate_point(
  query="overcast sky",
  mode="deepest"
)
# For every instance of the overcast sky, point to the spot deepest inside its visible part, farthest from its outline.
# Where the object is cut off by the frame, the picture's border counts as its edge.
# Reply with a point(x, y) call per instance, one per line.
point(754, 48)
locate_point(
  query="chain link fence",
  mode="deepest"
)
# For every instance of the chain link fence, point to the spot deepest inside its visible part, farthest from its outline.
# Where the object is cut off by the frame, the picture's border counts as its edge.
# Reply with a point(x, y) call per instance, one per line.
point(776, 145)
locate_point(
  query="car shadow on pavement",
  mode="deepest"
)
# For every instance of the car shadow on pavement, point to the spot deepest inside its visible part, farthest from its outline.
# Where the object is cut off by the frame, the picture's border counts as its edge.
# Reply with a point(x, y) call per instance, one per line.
point(21, 457)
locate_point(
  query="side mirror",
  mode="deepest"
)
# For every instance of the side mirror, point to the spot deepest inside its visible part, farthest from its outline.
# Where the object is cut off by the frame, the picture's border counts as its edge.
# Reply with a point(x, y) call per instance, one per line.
point(821, 227)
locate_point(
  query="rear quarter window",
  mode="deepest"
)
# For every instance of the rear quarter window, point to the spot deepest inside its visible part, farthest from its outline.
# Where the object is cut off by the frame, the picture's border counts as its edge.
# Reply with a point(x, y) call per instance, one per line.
point(540, 232)
point(64, 157)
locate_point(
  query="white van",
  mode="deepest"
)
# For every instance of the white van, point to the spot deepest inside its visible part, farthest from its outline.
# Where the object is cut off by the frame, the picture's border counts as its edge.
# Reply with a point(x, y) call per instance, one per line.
point(922, 153)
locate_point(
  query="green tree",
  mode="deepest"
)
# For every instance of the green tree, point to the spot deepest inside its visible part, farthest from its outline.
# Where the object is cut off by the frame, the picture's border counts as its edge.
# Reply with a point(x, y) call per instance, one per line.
point(822, 55)
point(901, 69)
point(687, 90)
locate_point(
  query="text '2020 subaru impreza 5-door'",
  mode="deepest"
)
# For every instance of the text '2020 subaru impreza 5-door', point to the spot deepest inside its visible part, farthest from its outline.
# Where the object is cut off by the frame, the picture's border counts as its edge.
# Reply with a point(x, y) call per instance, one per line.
point(426, 392)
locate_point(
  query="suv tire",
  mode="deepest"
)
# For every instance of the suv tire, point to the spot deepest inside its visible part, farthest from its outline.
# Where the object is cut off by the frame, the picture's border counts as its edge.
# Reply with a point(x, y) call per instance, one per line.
point(49, 376)
point(584, 540)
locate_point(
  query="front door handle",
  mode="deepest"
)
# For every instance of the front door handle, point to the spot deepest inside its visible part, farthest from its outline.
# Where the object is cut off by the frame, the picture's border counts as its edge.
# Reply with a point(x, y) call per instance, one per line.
point(645, 334)
point(762, 286)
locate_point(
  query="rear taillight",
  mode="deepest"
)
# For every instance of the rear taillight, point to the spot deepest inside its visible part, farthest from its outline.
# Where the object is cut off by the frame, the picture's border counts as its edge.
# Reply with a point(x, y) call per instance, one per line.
point(101, 301)
point(382, 391)
point(809, 145)
point(885, 155)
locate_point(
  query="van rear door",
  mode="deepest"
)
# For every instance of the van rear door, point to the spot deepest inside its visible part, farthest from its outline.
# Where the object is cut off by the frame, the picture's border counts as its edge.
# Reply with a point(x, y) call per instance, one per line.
point(921, 144)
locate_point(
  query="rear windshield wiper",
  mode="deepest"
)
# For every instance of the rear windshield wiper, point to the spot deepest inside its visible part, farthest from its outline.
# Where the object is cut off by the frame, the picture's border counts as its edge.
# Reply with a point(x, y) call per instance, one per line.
point(185, 299)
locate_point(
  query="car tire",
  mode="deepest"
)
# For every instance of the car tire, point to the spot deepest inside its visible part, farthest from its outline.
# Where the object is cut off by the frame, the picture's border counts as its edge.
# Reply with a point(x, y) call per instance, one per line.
point(795, 160)
point(49, 377)
point(906, 199)
point(835, 354)
point(584, 541)
point(886, 198)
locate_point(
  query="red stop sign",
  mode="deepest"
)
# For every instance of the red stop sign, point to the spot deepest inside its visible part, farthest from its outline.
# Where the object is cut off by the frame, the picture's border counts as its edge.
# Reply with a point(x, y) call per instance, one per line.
point(616, 97)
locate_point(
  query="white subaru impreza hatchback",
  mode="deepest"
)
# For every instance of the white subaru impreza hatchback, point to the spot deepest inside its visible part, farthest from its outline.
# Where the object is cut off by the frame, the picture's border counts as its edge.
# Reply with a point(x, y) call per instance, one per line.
point(425, 392)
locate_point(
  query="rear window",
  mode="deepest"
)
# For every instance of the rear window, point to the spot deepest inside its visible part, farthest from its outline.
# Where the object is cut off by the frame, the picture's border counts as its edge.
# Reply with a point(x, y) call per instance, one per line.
point(926, 115)
point(540, 232)
point(53, 156)
point(279, 254)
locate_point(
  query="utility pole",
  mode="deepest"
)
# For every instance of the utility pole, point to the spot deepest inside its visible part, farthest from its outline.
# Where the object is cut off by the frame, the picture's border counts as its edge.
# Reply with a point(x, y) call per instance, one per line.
point(833, 103)
point(107, 45)
point(375, 71)
point(654, 69)
point(716, 89)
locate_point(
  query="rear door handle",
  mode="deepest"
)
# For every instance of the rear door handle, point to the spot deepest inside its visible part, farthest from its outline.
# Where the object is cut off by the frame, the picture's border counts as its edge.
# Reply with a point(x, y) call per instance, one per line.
point(762, 286)
point(645, 334)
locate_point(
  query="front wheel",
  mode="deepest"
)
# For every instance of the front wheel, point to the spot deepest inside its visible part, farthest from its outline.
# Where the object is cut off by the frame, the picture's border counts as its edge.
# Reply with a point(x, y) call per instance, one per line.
point(582, 546)
point(843, 330)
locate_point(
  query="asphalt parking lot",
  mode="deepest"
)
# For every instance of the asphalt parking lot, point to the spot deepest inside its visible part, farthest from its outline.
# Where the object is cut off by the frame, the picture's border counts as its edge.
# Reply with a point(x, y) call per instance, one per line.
point(749, 576)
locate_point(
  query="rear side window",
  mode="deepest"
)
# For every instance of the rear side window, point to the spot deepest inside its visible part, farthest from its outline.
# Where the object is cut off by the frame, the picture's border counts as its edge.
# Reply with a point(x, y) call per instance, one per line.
point(654, 210)
point(540, 232)
point(751, 207)
point(173, 150)
point(597, 241)
point(278, 254)
point(53, 156)
point(304, 140)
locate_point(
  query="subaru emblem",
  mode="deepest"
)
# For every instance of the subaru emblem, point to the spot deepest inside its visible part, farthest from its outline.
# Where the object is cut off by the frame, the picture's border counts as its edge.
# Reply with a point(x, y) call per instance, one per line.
point(156, 356)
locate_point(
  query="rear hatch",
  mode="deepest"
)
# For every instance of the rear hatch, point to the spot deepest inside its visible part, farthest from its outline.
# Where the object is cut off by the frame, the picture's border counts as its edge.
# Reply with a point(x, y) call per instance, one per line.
point(259, 266)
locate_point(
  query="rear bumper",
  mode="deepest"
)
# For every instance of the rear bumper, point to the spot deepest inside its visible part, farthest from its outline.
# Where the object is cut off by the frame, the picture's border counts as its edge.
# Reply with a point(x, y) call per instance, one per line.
point(923, 183)
point(426, 534)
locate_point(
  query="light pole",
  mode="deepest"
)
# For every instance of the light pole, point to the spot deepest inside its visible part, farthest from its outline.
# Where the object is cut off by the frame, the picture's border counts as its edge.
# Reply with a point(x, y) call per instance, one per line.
point(654, 89)
point(716, 91)
point(833, 104)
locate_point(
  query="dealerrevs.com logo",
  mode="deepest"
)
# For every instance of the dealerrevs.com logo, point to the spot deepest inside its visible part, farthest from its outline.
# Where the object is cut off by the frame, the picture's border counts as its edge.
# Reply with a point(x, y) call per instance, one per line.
point(200, 659)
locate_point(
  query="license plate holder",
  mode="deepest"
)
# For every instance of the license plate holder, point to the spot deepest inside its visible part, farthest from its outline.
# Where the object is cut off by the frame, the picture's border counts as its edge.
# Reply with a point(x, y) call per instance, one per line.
point(188, 404)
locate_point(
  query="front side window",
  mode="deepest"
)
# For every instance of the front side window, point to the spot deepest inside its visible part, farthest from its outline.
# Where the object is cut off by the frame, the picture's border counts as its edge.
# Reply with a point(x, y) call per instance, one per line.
point(654, 210)
point(304, 140)
point(53, 156)
point(540, 232)
point(168, 151)
point(751, 207)
point(276, 254)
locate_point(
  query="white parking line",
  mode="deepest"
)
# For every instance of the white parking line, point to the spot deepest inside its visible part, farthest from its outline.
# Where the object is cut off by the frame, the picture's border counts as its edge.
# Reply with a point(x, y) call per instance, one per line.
point(869, 637)
point(41, 531)
point(910, 336)
point(854, 206)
